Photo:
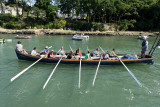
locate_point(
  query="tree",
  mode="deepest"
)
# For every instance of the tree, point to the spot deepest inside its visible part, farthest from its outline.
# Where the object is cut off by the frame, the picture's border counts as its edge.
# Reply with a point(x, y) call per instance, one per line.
point(1, 2)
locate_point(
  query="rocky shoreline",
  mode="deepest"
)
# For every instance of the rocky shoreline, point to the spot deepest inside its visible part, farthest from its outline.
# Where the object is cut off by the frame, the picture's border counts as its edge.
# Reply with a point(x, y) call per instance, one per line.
point(53, 32)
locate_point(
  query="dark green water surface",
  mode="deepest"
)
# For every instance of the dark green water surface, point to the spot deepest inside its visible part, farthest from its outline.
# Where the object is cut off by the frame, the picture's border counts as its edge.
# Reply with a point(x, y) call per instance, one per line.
point(114, 86)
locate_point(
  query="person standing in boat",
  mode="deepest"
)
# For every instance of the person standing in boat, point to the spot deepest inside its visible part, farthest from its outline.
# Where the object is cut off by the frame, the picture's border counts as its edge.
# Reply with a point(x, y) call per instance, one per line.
point(19, 48)
point(78, 52)
point(96, 53)
point(34, 52)
point(144, 48)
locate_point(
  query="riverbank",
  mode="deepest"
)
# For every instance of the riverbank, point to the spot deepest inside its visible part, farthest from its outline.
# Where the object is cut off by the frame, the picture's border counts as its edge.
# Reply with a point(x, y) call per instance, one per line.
point(72, 32)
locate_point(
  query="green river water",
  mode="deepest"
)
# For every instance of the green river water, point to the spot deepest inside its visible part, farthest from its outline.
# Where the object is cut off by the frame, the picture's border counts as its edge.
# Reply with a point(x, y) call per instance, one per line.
point(114, 86)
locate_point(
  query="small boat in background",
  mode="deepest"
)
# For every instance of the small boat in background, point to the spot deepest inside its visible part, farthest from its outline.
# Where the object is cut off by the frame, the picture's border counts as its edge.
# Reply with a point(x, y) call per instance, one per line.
point(77, 38)
point(142, 37)
point(2, 41)
point(80, 37)
point(23, 37)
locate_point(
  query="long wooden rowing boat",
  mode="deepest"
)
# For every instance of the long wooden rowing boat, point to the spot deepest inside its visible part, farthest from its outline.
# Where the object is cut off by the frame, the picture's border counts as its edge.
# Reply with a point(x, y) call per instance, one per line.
point(115, 61)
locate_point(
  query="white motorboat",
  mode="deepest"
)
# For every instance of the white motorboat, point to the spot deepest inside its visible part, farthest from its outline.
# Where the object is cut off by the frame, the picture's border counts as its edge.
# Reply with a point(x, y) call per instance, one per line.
point(142, 37)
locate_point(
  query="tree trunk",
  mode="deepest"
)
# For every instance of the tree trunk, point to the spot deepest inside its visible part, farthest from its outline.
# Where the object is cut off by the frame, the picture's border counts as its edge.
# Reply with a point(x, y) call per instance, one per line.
point(17, 9)
point(1, 8)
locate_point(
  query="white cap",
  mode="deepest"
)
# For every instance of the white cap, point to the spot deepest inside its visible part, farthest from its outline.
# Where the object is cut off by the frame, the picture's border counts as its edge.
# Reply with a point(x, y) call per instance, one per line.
point(46, 46)
point(52, 50)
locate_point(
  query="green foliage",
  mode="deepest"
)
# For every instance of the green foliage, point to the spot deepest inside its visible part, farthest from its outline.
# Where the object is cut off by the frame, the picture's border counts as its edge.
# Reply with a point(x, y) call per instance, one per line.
point(125, 14)
point(6, 17)
point(126, 24)
point(12, 25)
point(59, 24)
point(84, 26)
point(1, 23)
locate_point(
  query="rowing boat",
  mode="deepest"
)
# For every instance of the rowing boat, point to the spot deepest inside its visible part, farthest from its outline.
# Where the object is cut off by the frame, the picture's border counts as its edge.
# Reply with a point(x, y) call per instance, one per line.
point(23, 37)
point(92, 61)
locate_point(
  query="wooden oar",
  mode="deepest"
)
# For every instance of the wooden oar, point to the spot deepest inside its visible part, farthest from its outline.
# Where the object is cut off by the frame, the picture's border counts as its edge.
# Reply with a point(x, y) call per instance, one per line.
point(79, 83)
point(130, 72)
point(153, 45)
point(58, 50)
point(51, 74)
point(127, 70)
point(71, 48)
point(23, 71)
point(96, 72)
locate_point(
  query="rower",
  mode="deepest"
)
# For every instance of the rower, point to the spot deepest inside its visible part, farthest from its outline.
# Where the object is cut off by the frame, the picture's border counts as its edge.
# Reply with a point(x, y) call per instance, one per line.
point(96, 53)
point(113, 54)
point(50, 55)
point(87, 56)
point(34, 52)
point(71, 55)
point(106, 56)
point(45, 52)
point(62, 52)
point(78, 52)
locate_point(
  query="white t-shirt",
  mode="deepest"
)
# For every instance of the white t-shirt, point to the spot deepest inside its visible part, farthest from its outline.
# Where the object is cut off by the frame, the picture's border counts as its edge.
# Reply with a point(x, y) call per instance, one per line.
point(19, 47)
point(96, 53)
point(33, 53)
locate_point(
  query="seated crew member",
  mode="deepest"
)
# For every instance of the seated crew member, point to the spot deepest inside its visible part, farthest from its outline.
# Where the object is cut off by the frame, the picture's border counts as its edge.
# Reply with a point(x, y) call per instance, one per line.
point(62, 52)
point(96, 53)
point(34, 52)
point(78, 52)
point(19, 47)
point(87, 56)
point(106, 56)
point(50, 55)
point(70, 55)
point(45, 51)
point(113, 53)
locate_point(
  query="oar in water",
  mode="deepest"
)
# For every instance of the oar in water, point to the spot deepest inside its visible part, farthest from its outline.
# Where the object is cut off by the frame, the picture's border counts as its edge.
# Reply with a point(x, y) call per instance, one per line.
point(16, 76)
point(96, 72)
point(127, 70)
point(130, 72)
point(79, 81)
point(51, 74)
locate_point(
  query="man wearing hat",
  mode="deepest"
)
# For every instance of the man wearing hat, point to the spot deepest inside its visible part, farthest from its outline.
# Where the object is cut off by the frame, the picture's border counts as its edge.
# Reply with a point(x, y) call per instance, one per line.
point(46, 51)
point(144, 47)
